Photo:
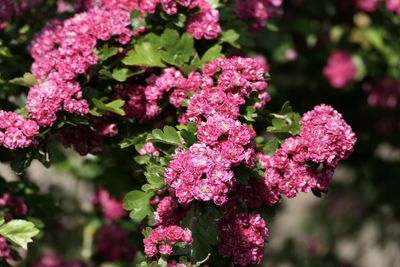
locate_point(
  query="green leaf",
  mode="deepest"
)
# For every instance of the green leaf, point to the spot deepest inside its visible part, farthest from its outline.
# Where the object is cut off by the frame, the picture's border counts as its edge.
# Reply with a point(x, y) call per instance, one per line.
point(155, 178)
point(21, 161)
point(19, 232)
point(120, 74)
point(28, 80)
point(168, 136)
point(188, 133)
point(137, 202)
point(211, 54)
point(143, 54)
point(136, 20)
point(251, 114)
point(113, 106)
point(271, 146)
point(176, 51)
point(205, 235)
point(106, 52)
point(214, 3)
point(231, 37)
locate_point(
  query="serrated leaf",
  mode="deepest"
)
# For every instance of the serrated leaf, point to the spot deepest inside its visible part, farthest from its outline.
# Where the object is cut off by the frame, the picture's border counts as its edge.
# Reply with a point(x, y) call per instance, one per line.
point(106, 52)
point(231, 37)
point(120, 74)
point(19, 232)
point(143, 54)
point(137, 202)
point(168, 136)
point(271, 146)
point(113, 106)
point(211, 54)
point(28, 80)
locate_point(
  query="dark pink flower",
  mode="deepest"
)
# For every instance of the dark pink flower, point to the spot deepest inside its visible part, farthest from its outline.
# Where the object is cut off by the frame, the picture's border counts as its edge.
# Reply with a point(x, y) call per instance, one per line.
point(340, 69)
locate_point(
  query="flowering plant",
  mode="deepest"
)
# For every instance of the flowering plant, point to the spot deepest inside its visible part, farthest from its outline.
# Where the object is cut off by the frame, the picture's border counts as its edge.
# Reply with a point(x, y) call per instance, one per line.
point(169, 104)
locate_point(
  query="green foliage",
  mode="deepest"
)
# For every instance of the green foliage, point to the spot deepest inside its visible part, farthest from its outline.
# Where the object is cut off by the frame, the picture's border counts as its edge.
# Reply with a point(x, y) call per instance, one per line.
point(20, 232)
point(137, 202)
point(285, 122)
point(28, 80)
point(107, 52)
point(114, 106)
point(168, 135)
point(144, 54)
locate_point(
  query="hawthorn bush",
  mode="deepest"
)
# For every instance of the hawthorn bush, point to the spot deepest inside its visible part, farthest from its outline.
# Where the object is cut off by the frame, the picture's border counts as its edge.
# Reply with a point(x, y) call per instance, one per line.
point(172, 112)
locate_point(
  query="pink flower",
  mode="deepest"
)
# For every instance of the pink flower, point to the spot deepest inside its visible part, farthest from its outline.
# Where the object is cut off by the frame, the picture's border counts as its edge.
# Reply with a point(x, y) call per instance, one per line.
point(367, 5)
point(384, 93)
point(307, 162)
point(204, 25)
point(170, 212)
point(111, 208)
point(168, 236)
point(242, 237)
point(257, 11)
point(16, 131)
point(340, 69)
point(393, 5)
point(5, 251)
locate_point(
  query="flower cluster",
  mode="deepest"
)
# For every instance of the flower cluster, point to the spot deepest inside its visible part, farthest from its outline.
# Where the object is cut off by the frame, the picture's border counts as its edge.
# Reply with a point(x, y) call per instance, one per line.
point(235, 80)
point(112, 244)
point(162, 239)
point(203, 24)
point(149, 148)
point(16, 131)
point(9, 8)
point(199, 173)
point(340, 69)
point(203, 172)
point(242, 238)
point(307, 161)
point(393, 5)
point(62, 51)
point(229, 137)
point(5, 251)
point(12, 206)
point(170, 212)
point(257, 11)
point(367, 5)
point(383, 93)
point(111, 208)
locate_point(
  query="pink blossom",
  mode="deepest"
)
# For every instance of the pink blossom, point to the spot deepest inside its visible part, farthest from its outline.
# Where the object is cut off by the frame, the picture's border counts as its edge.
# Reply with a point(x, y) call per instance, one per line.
point(170, 212)
point(111, 208)
point(393, 5)
point(257, 11)
point(166, 238)
point(367, 5)
point(199, 173)
point(149, 148)
point(204, 25)
point(5, 251)
point(62, 51)
point(340, 69)
point(242, 237)
point(307, 162)
point(384, 93)
point(16, 131)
